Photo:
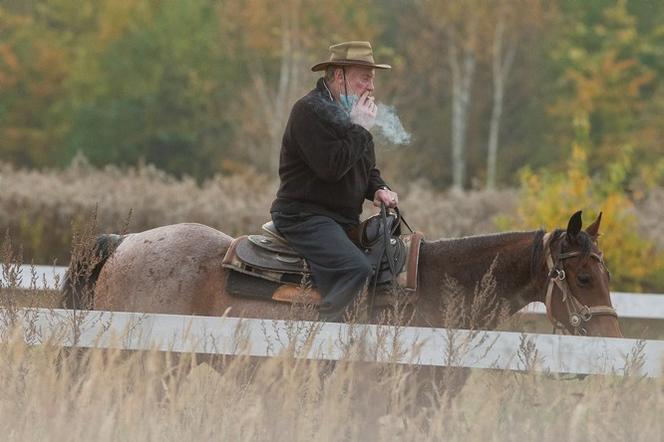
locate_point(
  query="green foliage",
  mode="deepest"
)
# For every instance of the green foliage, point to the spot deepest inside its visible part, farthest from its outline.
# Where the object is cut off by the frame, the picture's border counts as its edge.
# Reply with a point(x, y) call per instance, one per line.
point(155, 90)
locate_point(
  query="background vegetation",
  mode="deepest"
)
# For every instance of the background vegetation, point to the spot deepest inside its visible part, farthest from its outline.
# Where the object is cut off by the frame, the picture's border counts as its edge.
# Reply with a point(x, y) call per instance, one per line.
point(178, 107)
point(198, 87)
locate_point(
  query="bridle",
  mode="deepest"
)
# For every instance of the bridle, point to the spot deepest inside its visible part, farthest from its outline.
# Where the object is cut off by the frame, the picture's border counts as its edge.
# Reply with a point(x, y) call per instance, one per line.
point(578, 313)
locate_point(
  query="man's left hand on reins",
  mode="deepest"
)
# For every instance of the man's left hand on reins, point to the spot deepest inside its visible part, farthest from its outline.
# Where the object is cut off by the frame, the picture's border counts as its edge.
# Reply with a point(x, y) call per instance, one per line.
point(387, 197)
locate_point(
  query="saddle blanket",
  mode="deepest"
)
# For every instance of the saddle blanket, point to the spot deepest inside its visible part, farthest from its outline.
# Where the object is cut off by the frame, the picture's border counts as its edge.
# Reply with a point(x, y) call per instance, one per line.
point(259, 268)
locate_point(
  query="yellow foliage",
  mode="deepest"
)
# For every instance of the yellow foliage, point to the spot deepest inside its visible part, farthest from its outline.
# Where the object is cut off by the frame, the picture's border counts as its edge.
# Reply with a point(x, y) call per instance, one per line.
point(549, 199)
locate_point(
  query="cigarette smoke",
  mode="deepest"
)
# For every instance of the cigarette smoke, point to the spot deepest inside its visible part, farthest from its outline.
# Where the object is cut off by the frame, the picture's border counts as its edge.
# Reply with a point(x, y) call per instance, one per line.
point(390, 126)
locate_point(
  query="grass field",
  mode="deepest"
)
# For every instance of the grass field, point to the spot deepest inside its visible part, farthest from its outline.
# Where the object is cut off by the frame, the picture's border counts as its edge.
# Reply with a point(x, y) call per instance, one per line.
point(51, 394)
point(47, 393)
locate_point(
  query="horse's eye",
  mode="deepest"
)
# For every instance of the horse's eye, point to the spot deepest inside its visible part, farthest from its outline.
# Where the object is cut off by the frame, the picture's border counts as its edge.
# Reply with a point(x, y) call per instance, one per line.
point(583, 279)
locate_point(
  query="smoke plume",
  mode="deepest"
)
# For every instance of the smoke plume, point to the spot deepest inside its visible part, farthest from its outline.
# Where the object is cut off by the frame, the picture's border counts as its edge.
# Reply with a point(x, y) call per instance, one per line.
point(389, 125)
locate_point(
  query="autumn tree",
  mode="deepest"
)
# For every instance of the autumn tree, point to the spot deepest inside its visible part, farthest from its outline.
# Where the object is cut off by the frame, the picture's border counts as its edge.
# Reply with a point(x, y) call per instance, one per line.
point(515, 24)
point(276, 48)
point(34, 63)
point(607, 78)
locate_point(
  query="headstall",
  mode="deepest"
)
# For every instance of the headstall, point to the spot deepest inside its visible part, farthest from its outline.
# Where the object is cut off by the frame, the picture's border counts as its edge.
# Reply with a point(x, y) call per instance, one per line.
point(578, 313)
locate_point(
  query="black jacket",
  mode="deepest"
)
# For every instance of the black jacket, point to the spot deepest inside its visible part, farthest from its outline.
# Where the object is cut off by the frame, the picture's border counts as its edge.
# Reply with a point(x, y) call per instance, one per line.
point(327, 164)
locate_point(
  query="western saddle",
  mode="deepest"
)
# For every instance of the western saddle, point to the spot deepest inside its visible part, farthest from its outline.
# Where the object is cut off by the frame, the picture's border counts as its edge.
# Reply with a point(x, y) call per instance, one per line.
point(265, 266)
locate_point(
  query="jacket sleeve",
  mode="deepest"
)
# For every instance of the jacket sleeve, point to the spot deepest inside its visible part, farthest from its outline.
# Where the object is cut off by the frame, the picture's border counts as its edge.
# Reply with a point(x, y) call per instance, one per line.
point(375, 183)
point(329, 155)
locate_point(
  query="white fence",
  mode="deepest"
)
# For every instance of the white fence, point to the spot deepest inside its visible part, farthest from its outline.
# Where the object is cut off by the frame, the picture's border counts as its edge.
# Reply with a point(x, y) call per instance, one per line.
point(331, 341)
point(628, 305)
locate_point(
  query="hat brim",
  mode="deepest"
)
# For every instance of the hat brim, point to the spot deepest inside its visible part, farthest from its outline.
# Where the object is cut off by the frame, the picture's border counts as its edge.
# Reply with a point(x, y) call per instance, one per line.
point(324, 65)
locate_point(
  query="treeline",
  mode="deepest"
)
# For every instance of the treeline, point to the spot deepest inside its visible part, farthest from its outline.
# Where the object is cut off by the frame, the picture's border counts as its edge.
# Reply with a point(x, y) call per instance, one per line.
point(199, 87)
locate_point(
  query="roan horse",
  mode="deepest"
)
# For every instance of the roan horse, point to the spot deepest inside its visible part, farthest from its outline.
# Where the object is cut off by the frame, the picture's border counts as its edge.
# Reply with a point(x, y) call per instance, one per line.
point(177, 269)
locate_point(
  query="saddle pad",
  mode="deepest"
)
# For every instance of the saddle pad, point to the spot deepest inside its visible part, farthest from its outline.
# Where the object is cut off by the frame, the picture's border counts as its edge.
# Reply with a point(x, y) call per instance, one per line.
point(244, 285)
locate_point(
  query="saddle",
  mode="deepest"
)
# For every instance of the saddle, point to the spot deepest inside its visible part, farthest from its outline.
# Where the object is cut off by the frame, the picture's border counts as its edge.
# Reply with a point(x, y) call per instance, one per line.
point(265, 266)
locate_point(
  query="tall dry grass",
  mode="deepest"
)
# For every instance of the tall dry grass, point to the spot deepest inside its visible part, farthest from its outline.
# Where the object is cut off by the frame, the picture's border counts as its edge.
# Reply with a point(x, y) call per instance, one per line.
point(47, 393)
point(43, 208)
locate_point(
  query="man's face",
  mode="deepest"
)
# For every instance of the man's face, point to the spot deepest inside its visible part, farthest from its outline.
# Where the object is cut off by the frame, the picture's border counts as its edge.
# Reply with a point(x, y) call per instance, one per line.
point(359, 80)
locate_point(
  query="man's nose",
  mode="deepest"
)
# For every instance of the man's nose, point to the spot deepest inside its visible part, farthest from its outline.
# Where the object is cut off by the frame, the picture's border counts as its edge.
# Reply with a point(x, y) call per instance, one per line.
point(370, 86)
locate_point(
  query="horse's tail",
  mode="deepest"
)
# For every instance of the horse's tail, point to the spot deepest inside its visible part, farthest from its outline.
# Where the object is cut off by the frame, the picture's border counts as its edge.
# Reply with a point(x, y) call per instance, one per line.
point(81, 276)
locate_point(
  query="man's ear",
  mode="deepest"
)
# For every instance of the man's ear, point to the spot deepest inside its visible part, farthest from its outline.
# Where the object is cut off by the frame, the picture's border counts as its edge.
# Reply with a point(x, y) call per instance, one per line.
point(339, 75)
point(593, 229)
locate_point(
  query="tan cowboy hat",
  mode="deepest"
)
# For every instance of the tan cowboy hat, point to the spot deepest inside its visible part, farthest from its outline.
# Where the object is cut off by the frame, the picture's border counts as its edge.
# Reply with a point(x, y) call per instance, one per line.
point(350, 53)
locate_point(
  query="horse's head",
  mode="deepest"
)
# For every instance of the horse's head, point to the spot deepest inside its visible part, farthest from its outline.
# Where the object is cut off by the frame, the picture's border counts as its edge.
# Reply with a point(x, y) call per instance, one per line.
point(577, 296)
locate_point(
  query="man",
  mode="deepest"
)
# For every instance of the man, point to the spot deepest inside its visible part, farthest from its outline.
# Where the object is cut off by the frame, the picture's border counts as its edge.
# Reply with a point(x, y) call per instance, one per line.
point(327, 168)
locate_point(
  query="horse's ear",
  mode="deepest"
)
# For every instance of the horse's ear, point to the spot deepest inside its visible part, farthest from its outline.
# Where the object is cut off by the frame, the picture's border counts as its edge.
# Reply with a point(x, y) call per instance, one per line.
point(593, 229)
point(574, 226)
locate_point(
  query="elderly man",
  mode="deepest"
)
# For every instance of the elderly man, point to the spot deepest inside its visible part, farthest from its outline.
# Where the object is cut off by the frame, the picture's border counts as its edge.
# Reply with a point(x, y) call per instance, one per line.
point(327, 168)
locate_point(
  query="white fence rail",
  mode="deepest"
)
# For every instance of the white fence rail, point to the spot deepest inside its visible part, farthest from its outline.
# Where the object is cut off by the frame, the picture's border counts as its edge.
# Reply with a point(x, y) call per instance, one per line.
point(628, 305)
point(38, 276)
point(330, 341)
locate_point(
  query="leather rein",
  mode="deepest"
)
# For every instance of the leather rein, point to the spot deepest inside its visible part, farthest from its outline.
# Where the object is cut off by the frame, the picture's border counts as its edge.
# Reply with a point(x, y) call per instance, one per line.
point(578, 313)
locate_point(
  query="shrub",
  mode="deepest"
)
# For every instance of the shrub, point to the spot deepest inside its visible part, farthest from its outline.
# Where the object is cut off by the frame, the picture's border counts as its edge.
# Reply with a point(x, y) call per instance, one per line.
point(547, 199)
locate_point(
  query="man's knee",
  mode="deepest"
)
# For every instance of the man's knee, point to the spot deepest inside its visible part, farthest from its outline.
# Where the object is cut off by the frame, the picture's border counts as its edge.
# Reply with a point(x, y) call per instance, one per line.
point(363, 266)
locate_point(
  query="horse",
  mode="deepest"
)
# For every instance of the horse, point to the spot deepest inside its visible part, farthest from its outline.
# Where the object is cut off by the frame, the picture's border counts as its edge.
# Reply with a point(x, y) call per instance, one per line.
point(177, 269)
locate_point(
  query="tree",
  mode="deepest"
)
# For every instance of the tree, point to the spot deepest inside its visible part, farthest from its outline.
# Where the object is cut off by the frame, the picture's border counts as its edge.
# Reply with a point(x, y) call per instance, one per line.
point(34, 62)
point(276, 48)
point(504, 50)
point(514, 22)
point(463, 28)
point(606, 78)
point(151, 83)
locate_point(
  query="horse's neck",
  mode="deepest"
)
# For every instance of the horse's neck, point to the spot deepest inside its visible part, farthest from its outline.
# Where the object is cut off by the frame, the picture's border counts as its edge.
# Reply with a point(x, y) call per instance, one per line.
point(464, 262)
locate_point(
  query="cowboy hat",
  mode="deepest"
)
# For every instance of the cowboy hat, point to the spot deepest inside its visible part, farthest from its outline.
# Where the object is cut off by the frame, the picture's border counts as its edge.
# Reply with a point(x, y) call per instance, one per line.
point(350, 53)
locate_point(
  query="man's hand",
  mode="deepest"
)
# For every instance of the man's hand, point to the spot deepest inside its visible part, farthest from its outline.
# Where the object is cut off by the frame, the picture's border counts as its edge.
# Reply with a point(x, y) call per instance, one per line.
point(364, 111)
point(386, 196)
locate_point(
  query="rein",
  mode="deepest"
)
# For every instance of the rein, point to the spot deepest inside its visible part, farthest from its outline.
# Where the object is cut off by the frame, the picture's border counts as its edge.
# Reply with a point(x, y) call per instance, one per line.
point(578, 313)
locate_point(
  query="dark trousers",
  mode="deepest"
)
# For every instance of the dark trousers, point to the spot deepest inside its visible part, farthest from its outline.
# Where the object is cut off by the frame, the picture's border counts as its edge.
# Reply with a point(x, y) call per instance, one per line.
point(338, 267)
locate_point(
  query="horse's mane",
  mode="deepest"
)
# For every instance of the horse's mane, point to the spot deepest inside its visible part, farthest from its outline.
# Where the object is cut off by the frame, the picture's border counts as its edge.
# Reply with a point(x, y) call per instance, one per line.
point(492, 240)
point(536, 255)
point(487, 241)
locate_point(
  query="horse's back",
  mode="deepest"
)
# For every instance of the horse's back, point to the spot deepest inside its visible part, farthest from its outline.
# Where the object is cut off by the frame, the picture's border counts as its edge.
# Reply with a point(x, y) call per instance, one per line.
point(169, 269)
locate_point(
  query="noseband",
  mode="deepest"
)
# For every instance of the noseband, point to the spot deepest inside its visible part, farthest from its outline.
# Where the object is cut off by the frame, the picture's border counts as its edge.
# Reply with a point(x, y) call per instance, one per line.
point(578, 313)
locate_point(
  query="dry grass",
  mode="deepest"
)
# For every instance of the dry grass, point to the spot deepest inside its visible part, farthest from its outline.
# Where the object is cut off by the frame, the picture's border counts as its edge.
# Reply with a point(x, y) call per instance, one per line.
point(40, 207)
point(43, 204)
point(51, 394)
point(43, 208)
